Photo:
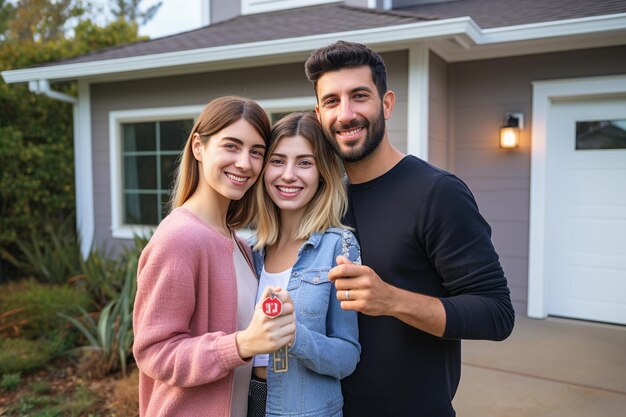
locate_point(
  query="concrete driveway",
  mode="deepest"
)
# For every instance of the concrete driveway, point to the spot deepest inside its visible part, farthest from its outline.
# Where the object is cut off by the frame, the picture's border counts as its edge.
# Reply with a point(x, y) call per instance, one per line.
point(546, 368)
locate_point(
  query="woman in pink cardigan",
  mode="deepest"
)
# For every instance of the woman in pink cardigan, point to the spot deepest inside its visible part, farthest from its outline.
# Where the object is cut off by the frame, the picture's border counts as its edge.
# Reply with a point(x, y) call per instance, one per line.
point(196, 326)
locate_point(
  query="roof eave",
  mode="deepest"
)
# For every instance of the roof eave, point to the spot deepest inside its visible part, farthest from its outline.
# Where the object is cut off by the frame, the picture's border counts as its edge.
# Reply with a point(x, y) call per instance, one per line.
point(383, 38)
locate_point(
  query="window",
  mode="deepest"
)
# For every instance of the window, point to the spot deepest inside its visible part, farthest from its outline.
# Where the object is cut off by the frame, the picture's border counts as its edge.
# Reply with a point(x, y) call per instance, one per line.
point(144, 150)
point(601, 134)
point(149, 152)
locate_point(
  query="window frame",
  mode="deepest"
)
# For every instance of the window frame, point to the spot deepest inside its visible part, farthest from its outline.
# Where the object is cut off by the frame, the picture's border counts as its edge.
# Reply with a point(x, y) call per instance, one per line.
point(119, 230)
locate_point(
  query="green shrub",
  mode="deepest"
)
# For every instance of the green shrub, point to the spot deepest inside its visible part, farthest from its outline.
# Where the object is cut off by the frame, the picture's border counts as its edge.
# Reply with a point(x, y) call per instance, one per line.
point(22, 355)
point(36, 182)
point(39, 306)
point(110, 335)
point(36, 139)
point(105, 277)
point(11, 381)
point(51, 254)
point(40, 387)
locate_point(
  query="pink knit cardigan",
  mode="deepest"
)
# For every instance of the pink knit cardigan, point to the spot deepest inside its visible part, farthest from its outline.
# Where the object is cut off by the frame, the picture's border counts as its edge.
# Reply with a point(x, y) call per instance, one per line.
point(185, 320)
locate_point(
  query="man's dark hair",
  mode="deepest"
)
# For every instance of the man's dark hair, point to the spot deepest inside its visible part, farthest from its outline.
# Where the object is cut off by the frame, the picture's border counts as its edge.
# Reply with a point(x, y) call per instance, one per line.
point(342, 54)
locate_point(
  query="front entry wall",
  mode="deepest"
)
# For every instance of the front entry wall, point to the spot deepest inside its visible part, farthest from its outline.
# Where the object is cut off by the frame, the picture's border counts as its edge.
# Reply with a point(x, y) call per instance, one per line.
point(480, 93)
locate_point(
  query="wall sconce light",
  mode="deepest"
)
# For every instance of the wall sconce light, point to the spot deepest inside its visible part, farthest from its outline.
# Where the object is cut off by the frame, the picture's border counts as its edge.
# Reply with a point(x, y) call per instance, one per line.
point(509, 133)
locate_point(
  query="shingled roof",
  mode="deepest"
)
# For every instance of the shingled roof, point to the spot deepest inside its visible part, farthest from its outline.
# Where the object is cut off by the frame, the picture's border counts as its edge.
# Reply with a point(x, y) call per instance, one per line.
point(500, 13)
point(336, 17)
point(283, 24)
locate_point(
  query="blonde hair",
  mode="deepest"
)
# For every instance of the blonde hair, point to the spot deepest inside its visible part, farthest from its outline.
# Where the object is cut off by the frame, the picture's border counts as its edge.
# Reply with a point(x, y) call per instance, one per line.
point(217, 115)
point(327, 207)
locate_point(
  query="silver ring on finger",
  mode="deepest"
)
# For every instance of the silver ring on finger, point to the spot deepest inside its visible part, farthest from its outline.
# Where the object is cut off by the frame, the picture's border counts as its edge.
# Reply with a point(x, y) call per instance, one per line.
point(347, 294)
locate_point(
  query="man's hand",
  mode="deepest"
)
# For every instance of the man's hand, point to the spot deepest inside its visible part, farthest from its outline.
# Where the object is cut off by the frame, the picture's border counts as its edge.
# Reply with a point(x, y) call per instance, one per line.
point(359, 288)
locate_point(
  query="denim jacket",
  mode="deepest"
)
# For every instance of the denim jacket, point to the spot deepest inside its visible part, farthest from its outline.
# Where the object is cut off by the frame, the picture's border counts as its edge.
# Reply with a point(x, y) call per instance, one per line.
point(326, 348)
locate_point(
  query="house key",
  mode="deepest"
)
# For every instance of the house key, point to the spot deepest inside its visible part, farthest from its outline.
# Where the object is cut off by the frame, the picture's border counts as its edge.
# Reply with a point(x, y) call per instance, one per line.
point(272, 307)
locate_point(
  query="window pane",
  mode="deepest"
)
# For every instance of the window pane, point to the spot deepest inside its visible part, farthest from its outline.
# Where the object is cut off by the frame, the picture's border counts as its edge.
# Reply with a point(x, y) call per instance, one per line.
point(165, 204)
point(601, 134)
point(139, 136)
point(141, 209)
point(174, 134)
point(274, 117)
point(169, 163)
point(140, 172)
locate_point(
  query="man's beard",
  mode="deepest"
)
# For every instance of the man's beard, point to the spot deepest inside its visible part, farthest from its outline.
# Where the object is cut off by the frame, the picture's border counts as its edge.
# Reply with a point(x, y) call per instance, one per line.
point(375, 134)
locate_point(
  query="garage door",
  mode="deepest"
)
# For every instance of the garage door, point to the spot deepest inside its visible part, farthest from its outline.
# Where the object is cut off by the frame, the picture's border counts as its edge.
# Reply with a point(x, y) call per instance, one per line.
point(586, 209)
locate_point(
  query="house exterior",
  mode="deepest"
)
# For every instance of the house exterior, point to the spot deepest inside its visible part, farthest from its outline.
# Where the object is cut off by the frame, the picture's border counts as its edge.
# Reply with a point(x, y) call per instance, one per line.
point(557, 204)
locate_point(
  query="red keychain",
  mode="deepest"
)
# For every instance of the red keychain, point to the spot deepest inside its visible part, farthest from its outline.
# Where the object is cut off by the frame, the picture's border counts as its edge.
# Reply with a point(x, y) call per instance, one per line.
point(272, 307)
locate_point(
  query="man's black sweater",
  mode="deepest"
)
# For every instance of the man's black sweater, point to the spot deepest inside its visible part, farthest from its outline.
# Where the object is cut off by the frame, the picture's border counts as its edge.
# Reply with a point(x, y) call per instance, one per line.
point(420, 229)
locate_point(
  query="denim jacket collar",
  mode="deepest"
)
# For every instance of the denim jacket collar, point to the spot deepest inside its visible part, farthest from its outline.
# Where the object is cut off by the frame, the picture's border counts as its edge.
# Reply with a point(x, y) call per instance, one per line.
point(314, 240)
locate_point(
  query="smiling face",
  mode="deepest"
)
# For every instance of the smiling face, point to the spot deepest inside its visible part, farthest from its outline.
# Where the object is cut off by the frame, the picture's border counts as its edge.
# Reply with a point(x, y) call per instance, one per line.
point(230, 161)
point(351, 112)
point(292, 177)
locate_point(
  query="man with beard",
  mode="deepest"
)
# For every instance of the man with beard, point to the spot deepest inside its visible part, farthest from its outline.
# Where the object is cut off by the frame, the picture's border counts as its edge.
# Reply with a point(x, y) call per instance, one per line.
point(430, 275)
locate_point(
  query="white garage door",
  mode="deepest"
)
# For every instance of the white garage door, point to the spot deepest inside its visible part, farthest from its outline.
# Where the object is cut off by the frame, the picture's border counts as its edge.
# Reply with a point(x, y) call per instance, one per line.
point(586, 209)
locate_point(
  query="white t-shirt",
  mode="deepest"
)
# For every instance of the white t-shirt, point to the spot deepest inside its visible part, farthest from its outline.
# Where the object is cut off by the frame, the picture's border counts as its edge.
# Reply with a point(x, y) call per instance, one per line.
point(269, 279)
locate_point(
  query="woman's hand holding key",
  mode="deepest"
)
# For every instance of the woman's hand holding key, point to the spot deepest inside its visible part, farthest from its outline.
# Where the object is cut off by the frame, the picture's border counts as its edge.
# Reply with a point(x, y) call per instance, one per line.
point(267, 334)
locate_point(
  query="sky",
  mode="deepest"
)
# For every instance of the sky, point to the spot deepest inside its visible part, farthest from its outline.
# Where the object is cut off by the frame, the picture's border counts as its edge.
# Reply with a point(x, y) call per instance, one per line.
point(174, 16)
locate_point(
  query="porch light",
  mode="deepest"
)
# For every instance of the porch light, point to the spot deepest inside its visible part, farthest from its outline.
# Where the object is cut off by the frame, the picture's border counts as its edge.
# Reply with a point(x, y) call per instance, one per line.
point(509, 133)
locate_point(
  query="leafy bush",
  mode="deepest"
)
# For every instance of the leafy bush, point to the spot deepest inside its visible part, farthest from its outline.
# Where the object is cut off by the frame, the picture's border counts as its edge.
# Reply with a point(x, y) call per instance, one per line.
point(52, 255)
point(36, 139)
point(37, 305)
point(11, 381)
point(23, 355)
point(102, 275)
point(36, 185)
point(110, 335)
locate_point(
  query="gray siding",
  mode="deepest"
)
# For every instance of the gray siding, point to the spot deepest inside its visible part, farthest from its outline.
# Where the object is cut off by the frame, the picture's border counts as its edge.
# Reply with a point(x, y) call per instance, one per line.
point(271, 82)
point(481, 92)
point(438, 138)
point(397, 64)
point(224, 9)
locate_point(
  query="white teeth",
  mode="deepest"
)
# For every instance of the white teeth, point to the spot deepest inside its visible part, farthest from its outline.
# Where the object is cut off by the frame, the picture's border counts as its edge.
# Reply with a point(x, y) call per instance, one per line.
point(236, 178)
point(350, 132)
point(288, 189)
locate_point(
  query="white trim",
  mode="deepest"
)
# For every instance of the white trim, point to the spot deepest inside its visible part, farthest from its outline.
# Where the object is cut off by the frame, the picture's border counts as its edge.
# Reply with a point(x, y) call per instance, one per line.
point(417, 101)
point(116, 118)
point(205, 11)
point(544, 93)
point(43, 87)
point(568, 27)
point(83, 169)
point(280, 105)
point(262, 6)
point(383, 37)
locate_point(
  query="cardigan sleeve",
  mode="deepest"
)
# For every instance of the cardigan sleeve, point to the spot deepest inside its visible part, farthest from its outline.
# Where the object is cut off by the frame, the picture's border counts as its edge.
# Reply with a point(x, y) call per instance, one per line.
point(458, 240)
point(164, 347)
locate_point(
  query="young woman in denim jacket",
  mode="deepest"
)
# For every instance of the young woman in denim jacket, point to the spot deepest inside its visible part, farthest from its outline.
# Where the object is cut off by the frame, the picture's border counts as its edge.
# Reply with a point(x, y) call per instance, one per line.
point(299, 235)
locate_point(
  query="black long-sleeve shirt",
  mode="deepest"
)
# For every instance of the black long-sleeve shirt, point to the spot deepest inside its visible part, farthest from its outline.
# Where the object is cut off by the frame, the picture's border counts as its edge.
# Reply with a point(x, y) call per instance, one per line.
point(420, 229)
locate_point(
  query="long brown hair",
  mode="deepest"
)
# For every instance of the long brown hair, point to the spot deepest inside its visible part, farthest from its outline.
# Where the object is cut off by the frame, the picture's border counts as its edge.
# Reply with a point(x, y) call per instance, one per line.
point(217, 115)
